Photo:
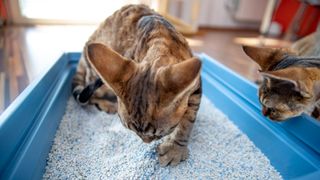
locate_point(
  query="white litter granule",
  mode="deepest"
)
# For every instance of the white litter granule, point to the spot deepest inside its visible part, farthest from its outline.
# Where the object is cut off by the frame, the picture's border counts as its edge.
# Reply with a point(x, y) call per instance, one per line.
point(90, 144)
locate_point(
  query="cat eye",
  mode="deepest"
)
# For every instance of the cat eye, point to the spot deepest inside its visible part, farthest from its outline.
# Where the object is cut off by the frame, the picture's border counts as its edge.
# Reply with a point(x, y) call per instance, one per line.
point(149, 129)
point(264, 89)
point(133, 127)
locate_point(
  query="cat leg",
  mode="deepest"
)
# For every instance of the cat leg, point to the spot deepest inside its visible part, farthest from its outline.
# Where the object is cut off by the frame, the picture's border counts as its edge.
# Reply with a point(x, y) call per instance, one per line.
point(105, 105)
point(174, 148)
point(105, 100)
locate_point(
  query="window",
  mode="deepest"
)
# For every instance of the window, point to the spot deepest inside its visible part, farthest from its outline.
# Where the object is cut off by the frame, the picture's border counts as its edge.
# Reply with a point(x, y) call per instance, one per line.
point(65, 11)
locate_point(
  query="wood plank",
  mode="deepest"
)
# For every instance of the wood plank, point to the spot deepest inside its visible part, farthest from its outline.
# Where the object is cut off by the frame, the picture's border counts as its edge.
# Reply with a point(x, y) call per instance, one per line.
point(16, 58)
point(2, 60)
point(14, 88)
point(6, 92)
point(2, 91)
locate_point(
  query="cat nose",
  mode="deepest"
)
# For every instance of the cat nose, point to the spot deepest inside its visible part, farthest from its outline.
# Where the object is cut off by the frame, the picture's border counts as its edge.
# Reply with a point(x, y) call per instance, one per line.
point(266, 111)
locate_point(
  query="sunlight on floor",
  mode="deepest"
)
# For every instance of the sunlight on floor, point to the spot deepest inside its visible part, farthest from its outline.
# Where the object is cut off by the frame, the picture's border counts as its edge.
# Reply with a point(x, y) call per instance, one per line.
point(194, 42)
point(262, 41)
point(51, 41)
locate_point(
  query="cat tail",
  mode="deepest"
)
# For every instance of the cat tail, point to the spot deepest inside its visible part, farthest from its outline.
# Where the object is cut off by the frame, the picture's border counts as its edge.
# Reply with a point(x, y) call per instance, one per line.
point(81, 92)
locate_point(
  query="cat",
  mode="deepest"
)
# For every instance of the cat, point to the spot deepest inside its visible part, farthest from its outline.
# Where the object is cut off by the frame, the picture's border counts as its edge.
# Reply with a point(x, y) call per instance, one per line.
point(291, 76)
point(139, 58)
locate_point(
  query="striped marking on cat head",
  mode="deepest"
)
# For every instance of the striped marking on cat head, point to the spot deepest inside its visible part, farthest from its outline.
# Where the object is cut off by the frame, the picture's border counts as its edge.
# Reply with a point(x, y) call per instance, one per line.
point(147, 94)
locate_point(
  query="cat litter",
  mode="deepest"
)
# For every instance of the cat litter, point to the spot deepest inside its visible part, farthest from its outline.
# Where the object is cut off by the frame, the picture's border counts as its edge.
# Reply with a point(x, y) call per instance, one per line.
point(90, 144)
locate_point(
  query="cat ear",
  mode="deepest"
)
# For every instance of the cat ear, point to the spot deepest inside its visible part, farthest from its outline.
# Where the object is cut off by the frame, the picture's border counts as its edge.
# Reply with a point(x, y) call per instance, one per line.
point(266, 57)
point(270, 75)
point(292, 77)
point(111, 66)
point(177, 77)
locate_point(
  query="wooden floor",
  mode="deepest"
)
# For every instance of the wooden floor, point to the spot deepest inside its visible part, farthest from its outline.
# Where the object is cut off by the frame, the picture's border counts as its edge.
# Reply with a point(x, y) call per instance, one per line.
point(220, 45)
point(27, 52)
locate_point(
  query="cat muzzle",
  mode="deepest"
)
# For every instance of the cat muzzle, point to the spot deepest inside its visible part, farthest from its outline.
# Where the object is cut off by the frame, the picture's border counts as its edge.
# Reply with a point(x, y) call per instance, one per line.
point(266, 111)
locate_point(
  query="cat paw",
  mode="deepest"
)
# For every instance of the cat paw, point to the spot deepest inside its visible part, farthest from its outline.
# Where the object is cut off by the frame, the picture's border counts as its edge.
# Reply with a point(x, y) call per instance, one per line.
point(106, 106)
point(171, 153)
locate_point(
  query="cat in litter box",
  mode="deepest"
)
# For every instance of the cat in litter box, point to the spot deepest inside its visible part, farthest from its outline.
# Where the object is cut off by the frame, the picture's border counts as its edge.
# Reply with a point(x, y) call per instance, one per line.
point(291, 82)
point(138, 65)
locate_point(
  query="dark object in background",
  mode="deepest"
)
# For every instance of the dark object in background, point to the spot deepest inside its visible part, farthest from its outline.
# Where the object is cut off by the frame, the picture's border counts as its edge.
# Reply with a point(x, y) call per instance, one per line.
point(297, 18)
point(3, 13)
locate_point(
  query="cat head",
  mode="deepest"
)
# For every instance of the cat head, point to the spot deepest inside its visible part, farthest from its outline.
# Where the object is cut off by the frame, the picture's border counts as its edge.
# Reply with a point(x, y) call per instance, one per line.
point(151, 101)
point(284, 93)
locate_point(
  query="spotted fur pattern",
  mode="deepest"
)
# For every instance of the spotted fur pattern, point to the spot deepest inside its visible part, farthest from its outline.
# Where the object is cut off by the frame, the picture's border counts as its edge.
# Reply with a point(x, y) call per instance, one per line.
point(148, 67)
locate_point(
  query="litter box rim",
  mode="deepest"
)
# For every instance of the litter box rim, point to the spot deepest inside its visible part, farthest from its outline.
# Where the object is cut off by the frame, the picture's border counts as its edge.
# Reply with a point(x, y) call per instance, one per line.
point(28, 125)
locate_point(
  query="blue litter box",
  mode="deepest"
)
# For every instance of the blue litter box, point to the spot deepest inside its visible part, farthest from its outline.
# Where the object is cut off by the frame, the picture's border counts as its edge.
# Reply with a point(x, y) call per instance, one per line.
point(28, 126)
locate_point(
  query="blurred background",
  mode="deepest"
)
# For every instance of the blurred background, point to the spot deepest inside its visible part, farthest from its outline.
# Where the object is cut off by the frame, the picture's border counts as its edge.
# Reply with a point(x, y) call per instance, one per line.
point(34, 33)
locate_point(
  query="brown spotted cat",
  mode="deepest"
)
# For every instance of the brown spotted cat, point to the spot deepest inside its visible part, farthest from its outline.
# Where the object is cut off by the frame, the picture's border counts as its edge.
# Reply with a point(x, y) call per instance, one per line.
point(291, 83)
point(148, 66)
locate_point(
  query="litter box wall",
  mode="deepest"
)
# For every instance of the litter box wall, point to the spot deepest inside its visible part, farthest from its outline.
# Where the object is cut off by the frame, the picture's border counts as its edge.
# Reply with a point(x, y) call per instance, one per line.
point(28, 126)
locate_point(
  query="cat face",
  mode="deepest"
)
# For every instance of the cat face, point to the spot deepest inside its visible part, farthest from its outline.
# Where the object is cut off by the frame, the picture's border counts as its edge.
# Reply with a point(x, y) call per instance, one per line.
point(147, 108)
point(281, 99)
point(284, 93)
point(148, 116)
point(151, 101)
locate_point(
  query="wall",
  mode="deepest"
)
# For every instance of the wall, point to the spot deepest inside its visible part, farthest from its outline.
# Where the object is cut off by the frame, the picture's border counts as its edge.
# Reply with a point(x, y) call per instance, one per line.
point(222, 13)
